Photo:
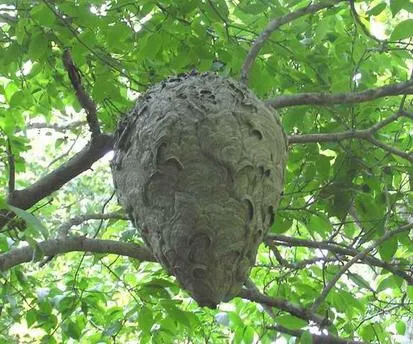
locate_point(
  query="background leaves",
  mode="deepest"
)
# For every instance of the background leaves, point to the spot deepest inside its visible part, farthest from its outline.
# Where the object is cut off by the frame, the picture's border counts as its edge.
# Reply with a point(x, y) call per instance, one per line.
point(343, 194)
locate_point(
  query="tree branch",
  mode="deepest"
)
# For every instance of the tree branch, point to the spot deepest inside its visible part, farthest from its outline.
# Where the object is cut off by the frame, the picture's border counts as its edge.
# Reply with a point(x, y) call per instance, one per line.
point(323, 99)
point(274, 25)
point(53, 247)
point(63, 230)
point(363, 134)
point(53, 181)
point(357, 257)
point(287, 306)
point(277, 239)
point(84, 99)
point(55, 126)
point(317, 338)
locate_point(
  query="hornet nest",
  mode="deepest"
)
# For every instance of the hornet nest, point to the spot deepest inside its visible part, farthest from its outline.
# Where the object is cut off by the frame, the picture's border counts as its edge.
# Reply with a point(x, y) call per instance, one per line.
point(199, 167)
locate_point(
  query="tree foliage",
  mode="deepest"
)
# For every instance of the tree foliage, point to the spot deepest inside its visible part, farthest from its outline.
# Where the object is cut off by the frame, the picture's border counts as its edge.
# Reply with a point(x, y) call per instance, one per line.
point(337, 264)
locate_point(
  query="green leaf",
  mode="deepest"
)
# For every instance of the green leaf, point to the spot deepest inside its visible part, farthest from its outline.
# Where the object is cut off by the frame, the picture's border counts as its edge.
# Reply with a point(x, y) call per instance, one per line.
point(367, 333)
point(113, 328)
point(410, 292)
point(145, 319)
point(43, 15)
point(388, 248)
point(403, 30)
point(248, 337)
point(31, 317)
point(3, 203)
point(281, 224)
point(401, 327)
point(73, 330)
point(4, 245)
point(291, 322)
point(391, 282)
point(39, 45)
point(376, 10)
point(360, 281)
point(21, 30)
point(306, 338)
point(176, 314)
point(397, 5)
point(48, 340)
point(30, 219)
point(319, 224)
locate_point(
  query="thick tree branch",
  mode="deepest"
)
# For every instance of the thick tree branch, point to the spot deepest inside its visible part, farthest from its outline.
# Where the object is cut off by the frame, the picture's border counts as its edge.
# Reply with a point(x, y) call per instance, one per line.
point(287, 306)
point(84, 99)
point(357, 257)
point(53, 247)
point(317, 338)
point(274, 25)
point(323, 98)
point(55, 126)
point(53, 181)
point(277, 239)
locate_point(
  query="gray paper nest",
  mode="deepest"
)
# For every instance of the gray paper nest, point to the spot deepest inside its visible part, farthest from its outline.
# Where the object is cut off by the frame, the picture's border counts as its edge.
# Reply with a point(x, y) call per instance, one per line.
point(199, 166)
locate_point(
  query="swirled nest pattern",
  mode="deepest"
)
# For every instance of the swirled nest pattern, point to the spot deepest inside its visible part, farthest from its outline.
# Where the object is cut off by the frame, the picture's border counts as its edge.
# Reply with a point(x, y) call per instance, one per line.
point(199, 167)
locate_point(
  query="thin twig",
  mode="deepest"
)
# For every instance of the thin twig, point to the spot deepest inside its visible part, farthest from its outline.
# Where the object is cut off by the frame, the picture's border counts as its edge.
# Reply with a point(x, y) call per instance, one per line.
point(359, 256)
point(65, 154)
point(274, 25)
point(94, 236)
point(296, 265)
point(283, 240)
